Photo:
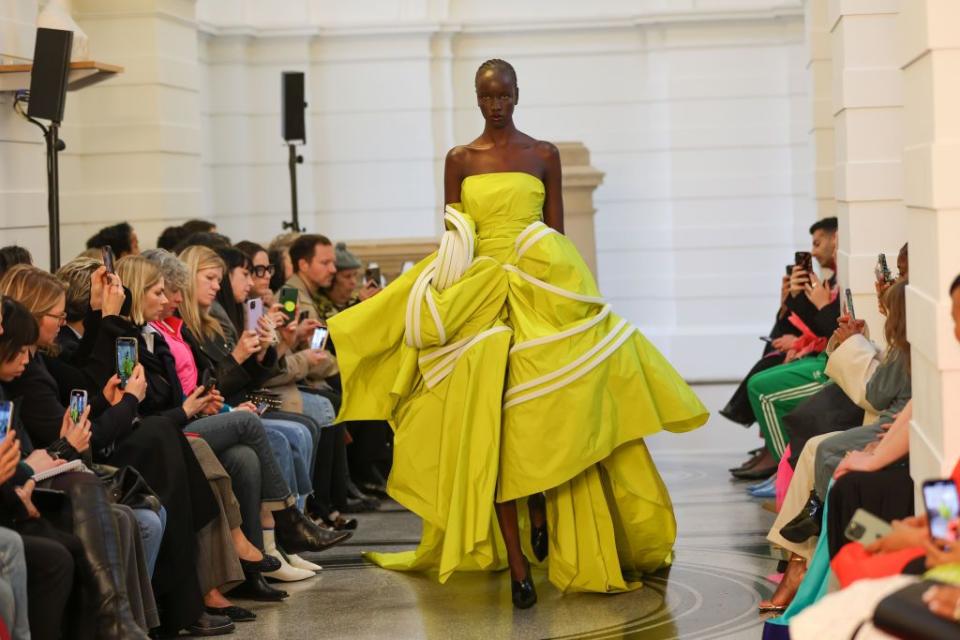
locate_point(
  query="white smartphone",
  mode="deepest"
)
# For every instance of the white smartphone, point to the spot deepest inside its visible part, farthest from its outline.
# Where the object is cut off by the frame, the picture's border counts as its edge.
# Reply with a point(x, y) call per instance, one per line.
point(319, 340)
point(866, 528)
point(254, 309)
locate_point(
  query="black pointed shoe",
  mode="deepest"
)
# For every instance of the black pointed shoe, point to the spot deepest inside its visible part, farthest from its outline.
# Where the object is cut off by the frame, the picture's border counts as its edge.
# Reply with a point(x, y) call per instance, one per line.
point(522, 591)
point(255, 587)
point(807, 523)
point(296, 533)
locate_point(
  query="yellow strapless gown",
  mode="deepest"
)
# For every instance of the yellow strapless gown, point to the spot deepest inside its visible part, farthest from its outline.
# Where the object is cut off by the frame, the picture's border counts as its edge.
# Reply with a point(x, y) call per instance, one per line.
point(504, 373)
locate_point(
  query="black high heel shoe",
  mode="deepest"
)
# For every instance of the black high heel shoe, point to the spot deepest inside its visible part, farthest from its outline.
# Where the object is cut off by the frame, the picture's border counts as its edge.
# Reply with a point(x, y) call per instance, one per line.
point(523, 593)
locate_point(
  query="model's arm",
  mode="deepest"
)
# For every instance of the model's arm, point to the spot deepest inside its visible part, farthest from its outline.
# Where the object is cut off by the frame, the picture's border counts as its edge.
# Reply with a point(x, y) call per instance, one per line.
point(453, 175)
point(552, 180)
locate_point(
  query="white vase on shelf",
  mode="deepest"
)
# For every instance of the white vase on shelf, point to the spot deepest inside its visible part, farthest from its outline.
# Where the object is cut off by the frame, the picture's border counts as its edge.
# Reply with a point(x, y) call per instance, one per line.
point(56, 15)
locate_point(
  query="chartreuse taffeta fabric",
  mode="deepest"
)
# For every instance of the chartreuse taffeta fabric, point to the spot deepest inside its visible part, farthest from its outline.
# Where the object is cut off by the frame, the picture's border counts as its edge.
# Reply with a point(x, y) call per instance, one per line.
point(504, 373)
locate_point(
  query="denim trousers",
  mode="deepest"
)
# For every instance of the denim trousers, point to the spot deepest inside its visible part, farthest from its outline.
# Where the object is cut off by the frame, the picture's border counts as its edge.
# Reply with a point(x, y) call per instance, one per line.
point(293, 445)
point(13, 584)
point(151, 524)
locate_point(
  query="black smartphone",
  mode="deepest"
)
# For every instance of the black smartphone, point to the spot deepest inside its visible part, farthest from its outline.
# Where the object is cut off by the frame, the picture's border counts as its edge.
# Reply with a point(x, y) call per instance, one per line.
point(106, 253)
point(943, 509)
point(790, 270)
point(804, 260)
point(208, 381)
point(126, 359)
point(849, 295)
point(303, 316)
point(6, 418)
point(372, 274)
point(78, 402)
point(767, 339)
point(289, 297)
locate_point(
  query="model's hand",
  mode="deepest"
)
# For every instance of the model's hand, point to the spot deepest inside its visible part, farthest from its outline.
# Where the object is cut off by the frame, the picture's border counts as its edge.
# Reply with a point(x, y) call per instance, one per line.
point(9, 455)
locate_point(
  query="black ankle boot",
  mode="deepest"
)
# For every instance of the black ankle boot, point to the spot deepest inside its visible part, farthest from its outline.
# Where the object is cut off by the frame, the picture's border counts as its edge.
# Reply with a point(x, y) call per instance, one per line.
point(295, 533)
point(523, 593)
point(807, 523)
point(93, 524)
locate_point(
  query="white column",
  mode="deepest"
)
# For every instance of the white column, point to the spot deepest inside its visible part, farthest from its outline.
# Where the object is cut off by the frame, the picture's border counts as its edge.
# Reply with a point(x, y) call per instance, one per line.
point(868, 113)
point(133, 142)
point(820, 67)
point(930, 54)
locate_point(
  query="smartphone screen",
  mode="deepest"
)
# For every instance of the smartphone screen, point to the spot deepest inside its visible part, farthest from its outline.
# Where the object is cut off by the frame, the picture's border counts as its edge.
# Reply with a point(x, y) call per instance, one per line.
point(106, 253)
point(126, 359)
point(289, 296)
point(373, 273)
point(790, 269)
point(943, 509)
point(849, 294)
point(254, 313)
point(319, 340)
point(883, 270)
point(78, 402)
point(262, 408)
point(6, 418)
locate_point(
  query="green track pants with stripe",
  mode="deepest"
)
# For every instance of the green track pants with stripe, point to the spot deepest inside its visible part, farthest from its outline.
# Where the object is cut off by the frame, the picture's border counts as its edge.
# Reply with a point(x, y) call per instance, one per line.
point(776, 392)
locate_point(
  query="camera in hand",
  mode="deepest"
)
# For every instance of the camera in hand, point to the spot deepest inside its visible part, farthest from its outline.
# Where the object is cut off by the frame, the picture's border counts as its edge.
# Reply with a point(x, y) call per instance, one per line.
point(126, 359)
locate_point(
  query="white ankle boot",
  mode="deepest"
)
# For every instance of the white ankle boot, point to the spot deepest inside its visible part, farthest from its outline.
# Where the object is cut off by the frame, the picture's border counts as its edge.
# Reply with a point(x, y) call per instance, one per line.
point(299, 563)
point(286, 572)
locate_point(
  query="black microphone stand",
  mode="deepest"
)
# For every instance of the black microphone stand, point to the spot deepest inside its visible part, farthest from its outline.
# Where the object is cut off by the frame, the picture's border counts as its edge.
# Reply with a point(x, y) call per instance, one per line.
point(54, 146)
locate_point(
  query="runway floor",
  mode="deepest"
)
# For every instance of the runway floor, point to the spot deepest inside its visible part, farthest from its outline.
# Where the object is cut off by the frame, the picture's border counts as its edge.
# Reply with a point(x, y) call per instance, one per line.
point(710, 593)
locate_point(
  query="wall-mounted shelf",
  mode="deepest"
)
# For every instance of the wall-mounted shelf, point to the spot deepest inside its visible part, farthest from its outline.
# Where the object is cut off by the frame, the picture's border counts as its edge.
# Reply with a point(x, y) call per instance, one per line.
point(14, 77)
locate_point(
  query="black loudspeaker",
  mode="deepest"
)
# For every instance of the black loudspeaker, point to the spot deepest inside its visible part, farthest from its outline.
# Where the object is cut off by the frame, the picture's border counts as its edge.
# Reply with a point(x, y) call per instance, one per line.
point(293, 107)
point(48, 79)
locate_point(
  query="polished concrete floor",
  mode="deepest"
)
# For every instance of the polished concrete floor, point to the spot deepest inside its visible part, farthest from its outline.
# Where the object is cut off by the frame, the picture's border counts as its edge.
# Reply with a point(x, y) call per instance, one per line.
point(711, 592)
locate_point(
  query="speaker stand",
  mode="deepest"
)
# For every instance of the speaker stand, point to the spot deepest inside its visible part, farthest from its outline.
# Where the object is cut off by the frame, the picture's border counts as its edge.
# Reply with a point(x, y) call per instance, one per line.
point(54, 146)
point(292, 162)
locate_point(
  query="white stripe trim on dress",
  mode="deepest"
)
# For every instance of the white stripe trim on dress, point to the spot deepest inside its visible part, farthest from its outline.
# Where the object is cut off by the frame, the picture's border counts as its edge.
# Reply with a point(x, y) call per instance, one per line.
point(552, 288)
point(530, 228)
point(438, 373)
point(536, 382)
point(534, 239)
point(575, 375)
point(585, 326)
point(441, 331)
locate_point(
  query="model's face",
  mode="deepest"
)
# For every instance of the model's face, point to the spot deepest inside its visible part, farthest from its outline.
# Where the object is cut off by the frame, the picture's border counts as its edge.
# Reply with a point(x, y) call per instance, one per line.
point(321, 268)
point(174, 299)
point(13, 369)
point(240, 283)
point(824, 248)
point(497, 97)
point(208, 284)
point(50, 323)
point(154, 302)
point(261, 274)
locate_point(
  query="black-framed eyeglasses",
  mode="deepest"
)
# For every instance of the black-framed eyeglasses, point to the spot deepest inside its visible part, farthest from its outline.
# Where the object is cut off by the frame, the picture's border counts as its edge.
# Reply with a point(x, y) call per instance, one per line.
point(260, 270)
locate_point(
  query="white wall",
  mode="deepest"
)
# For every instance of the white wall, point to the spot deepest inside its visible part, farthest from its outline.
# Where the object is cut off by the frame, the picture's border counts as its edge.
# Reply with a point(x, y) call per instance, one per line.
point(696, 110)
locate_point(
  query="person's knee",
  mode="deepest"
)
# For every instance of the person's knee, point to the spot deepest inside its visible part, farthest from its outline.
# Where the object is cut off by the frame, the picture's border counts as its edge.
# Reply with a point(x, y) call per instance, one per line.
point(11, 549)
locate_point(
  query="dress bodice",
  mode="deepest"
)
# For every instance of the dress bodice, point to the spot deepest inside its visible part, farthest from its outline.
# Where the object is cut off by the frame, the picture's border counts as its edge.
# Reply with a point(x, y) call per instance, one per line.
point(502, 204)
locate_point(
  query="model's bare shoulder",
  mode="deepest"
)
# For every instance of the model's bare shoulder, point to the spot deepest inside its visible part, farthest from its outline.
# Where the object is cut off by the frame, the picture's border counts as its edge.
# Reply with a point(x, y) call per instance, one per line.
point(457, 155)
point(546, 150)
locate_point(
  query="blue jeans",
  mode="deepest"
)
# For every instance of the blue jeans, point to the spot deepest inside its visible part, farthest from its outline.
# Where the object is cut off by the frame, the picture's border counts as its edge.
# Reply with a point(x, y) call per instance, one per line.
point(13, 584)
point(151, 525)
point(295, 445)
